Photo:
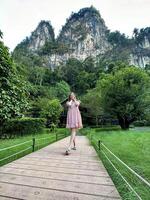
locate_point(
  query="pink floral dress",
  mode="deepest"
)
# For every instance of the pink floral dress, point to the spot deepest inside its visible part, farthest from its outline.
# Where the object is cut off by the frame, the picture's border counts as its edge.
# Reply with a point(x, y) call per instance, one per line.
point(74, 119)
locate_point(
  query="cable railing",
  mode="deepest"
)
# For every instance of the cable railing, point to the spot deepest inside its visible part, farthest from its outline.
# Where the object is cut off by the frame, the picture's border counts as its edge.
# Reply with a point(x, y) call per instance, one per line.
point(6, 148)
point(15, 154)
point(34, 145)
point(102, 148)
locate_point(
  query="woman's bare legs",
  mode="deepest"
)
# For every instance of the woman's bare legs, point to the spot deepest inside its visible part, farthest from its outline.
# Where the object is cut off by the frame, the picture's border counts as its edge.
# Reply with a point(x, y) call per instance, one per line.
point(74, 141)
point(72, 138)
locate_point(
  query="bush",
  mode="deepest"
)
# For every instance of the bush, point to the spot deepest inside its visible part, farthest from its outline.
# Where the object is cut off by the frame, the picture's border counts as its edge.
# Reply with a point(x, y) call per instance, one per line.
point(21, 127)
point(51, 110)
point(141, 123)
point(85, 131)
point(109, 128)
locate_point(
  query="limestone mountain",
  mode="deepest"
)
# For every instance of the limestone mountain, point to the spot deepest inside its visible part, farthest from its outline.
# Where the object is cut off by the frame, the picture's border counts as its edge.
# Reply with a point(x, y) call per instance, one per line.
point(43, 33)
point(27, 52)
point(83, 35)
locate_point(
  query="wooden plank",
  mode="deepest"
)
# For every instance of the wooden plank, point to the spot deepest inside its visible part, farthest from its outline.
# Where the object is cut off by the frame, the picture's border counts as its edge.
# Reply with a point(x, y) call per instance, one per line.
point(58, 176)
point(25, 192)
point(83, 188)
point(51, 163)
point(60, 170)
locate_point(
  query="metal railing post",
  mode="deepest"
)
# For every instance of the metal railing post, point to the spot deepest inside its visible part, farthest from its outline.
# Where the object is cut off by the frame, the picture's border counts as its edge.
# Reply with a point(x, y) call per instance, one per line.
point(91, 137)
point(33, 144)
point(56, 136)
point(99, 145)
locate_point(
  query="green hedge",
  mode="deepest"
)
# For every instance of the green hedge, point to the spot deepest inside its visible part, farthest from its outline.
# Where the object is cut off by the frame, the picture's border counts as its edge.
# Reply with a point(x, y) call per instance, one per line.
point(141, 123)
point(109, 128)
point(21, 127)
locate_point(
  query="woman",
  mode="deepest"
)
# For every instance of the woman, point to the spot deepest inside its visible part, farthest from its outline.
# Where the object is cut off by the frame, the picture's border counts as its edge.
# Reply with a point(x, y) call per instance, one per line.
point(74, 121)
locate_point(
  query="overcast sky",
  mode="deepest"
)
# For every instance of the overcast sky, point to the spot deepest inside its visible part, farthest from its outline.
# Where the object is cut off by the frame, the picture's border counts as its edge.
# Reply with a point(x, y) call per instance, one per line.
point(19, 17)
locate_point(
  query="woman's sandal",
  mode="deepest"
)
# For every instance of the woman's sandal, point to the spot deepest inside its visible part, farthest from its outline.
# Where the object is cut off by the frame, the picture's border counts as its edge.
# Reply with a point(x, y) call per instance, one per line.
point(67, 152)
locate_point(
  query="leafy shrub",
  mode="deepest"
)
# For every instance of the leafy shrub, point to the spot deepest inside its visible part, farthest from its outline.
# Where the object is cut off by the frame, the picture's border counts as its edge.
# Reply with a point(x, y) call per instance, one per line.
point(51, 110)
point(111, 128)
point(23, 126)
point(85, 131)
point(141, 123)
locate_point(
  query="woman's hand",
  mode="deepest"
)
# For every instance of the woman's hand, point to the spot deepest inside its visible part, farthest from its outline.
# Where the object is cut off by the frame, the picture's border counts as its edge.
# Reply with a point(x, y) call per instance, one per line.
point(74, 98)
point(77, 102)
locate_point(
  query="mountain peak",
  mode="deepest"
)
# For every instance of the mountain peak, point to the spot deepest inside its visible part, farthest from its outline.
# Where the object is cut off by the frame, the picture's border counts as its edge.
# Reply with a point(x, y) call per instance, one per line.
point(85, 33)
point(84, 12)
point(43, 33)
point(45, 25)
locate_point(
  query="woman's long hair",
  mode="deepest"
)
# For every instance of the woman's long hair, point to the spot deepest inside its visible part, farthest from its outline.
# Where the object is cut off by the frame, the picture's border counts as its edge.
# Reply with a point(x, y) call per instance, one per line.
point(72, 93)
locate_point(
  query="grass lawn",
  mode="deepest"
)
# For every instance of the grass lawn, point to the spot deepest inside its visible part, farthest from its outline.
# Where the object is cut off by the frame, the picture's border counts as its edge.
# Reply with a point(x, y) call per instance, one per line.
point(41, 140)
point(132, 147)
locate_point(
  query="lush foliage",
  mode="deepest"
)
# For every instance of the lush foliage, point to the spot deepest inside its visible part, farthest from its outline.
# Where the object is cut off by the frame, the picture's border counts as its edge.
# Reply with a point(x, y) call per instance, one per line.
point(116, 38)
point(54, 47)
point(122, 92)
point(22, 126)
point(62, 90)
point(81, 76)
point(91, 102)
point(13, 93)
point(125, 94)
point(141, 34)
point(50, 109)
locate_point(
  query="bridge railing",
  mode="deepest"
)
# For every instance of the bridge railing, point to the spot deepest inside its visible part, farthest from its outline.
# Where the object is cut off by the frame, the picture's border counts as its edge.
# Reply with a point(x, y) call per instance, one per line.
point(28, 147)
point(108, 154)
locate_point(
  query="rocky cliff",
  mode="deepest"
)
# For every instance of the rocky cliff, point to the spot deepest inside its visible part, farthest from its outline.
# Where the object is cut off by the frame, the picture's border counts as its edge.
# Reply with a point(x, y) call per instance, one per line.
point(43, 33)
point(84, 34)
point(140, 55)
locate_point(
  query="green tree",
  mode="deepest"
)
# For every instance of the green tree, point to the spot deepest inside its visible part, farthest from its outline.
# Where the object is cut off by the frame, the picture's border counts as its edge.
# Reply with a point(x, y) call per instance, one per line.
point(13, 93)
point(89, 65)
point(139, 35)
point(147, 69)
point(37, 75)
point(50, 109)
point(91, 100)
point(71, 71)
point(62, 90)
point(1, 34)
point(116, 38)
point(112, 67)
point(81, 76)
point(125, 94)
point(85, 81)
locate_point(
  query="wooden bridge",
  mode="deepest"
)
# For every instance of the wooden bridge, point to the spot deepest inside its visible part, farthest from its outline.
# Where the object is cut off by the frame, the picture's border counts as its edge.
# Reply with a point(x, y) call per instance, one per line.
point(48, 174)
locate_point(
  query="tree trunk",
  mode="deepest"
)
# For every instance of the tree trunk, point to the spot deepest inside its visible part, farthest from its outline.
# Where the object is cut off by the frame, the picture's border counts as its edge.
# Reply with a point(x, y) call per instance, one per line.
point(124, 122)
point(96, 118)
